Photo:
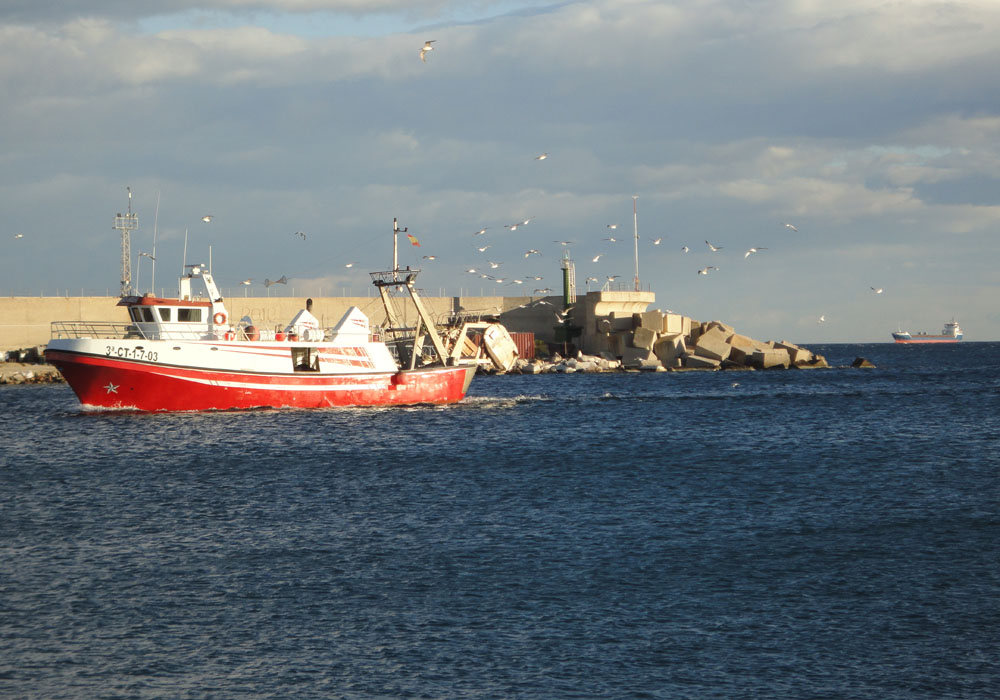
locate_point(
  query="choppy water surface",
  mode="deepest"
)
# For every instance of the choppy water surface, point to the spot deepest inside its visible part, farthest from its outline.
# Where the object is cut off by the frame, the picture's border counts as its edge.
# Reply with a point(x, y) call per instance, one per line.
point(825, 534)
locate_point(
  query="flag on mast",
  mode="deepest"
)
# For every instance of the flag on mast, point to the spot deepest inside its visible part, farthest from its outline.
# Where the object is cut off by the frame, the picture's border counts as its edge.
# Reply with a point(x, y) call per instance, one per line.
point(413, 239)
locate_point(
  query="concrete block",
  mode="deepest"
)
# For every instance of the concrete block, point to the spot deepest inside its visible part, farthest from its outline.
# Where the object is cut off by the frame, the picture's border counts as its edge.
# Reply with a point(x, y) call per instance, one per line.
point(712, 344)
point(644, 338)
point(698, 362)
point(767, 359)
point(672, 323)
point(669, 348)
point(796, 354)
point(653, 320)
point(740, 341)
point(729, 330)
point(621, 321)
point(616, 344)
point(740, 354)
point(695, 330)
point(639, 358)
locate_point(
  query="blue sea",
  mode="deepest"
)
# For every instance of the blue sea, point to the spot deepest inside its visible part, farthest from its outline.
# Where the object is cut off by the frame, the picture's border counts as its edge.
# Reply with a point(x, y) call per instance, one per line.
point(784, 534)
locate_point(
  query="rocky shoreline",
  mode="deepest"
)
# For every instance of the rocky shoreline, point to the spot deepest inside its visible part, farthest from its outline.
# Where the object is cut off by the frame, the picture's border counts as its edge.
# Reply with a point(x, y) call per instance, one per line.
point(29, 373)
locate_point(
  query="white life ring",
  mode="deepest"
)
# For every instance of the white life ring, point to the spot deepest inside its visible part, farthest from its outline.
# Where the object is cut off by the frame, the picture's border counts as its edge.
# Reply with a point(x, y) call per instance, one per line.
point(219, 318)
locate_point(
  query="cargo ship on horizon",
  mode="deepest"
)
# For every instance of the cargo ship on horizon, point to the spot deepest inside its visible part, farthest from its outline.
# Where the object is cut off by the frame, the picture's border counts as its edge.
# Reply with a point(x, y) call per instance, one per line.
point(952, 333)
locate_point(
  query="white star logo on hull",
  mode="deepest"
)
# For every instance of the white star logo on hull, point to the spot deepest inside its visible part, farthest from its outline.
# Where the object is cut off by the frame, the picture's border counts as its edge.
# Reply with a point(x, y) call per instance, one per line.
point(112, 388)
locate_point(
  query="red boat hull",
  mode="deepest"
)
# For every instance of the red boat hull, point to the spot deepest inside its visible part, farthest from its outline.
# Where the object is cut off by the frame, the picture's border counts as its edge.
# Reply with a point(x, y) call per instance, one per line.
point(105, 382)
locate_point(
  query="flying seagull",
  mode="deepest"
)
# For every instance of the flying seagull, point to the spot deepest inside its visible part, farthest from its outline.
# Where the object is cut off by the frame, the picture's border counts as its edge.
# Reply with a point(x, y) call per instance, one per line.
point(350, 264)
point(685, 249)
point(821, 319)
point(563, 243)
point(597, 257)
point(480, 232)
point(430, 257)
point(283, 280)
point(542, 157)
point(704, 270)
point(300, 233)
point(877, 290)
point(656, 241)
point(713, 248)
point(531, 252)
point(512, 227)
point(427, 47)
point(18, 235)
point(790, 226)
point(483, 248)
point(494, 265)
point(612, 226)
point(752, 250)
point(247, 281)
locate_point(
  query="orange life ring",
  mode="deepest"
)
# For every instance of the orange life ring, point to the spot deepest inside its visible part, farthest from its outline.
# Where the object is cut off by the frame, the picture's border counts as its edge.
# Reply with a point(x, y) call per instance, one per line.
point(219, 318)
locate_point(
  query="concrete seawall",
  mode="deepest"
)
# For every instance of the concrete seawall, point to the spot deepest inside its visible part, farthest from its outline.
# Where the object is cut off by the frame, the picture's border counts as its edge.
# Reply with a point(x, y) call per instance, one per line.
point(26, 321)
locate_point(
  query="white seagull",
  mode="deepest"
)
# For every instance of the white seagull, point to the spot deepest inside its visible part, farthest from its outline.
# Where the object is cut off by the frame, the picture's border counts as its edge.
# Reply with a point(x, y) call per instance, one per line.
point(427, 47)
point(430, 257)
point(685, 249)
point(18, 235)
point(542, 157)
point(877, 290)
point(350, 264)
point(483, 249)
point(531, 252)
point(790, 226)
point(612, 239)
point(597, 257)
point(247, 281)
point(207, 218)
point(612, 226)
point(752, 250)
point(480, 232)
point(563, 243)
point(713, 248)
point(821, 319)
point(704, 270)
point(300, 233)
point(656, 241)
point(494, 265)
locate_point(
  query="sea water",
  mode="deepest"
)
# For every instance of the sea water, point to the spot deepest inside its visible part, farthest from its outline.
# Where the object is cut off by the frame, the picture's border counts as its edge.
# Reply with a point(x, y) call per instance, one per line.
point(799, 534)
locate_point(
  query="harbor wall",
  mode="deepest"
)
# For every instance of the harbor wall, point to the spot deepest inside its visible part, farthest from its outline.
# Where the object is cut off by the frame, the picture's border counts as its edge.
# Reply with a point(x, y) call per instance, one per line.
point(26, 321)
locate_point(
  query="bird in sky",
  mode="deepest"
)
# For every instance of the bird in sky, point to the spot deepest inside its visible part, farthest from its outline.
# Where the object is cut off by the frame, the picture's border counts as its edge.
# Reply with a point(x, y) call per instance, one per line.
point(283, 280)
point(517, 281)
point(822, 319)
point(685, 249)
point(481, 231)
point(752, 250)
point(531, 252)
point(656, 241)
point(350, 264)
point(427, 47)
point(877, 290)
point(591, 279)
point(542, 156)
point(512, 227)
point(247, 281)
point(535, 277)
point(527, 221)
point(612, 278)
point(494, 265)
point(790, 226)
point(430, 257)
point(713, 248)
point(545, 290)
point(18, 235)
point(612, 226)
point(612, 239)
point(483, 248)
point(563, 243)
point(704, 270)
point(498, 280)
point(208, 218)
point(300, 233)
point(597, 257)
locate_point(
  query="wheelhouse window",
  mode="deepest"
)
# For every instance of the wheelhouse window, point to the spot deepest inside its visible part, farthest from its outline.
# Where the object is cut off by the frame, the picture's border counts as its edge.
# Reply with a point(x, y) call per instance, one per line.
point(147, 315)
point(189, 315)
point(164, 313)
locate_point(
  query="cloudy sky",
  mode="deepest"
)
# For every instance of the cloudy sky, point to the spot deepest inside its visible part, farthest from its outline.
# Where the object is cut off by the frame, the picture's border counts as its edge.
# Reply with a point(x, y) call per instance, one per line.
point(872, 126)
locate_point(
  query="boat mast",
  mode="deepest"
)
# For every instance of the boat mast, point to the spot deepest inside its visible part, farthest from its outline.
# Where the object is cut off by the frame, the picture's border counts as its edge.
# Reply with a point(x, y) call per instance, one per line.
point(126, 224)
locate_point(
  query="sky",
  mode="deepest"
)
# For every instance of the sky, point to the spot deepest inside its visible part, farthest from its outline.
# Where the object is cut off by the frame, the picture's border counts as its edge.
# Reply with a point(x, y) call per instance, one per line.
point(871, 126)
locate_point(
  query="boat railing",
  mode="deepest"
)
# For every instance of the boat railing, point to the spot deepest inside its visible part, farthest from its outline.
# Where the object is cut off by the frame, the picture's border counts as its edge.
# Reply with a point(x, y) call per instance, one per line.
point(94, 329)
